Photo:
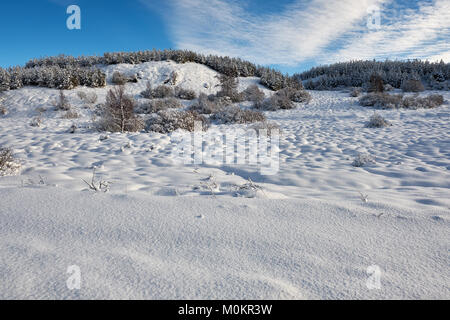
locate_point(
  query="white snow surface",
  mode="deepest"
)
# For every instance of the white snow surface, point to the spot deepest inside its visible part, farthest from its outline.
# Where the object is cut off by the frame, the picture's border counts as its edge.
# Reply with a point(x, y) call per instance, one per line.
point(160, 234)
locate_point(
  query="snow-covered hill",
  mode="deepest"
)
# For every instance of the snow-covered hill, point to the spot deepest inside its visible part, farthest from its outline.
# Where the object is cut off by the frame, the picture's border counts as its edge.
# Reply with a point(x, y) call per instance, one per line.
point(163, 232)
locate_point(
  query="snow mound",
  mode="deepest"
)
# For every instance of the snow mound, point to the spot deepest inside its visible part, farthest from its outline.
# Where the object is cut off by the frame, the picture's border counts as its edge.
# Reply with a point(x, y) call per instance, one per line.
point(190, 75)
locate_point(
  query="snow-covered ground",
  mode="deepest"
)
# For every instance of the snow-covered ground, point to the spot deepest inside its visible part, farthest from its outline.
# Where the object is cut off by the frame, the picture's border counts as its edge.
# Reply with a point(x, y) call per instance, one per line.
point(160, 233)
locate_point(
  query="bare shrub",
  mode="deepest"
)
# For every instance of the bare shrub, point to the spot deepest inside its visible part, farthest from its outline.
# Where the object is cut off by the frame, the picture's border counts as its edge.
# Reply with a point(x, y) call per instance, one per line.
point(284, 98)
point(356, 92)
point(234, 114)
point(387, 101)
point(118, 112)
point(254, 94)
point(148, 92)
point(185, 94)
point(8, 164)
point(435, 100)
point(412, 85)
point(3, 110)
point(62, 103)
point(377, 121)
point(100, 186)
point(119, 78)
point(88, 98)
point(221, 102)
point(70, 115)
point(172, 79)
point(36, 122)
point(156, 105)
point(381, 100)
point(163, 91)
point(167, 121)
point(6, 159)
point(416, 102)
point(206, 105)
point(363, 159)
point(299, 96)
point(375, 83)
point(277, 102)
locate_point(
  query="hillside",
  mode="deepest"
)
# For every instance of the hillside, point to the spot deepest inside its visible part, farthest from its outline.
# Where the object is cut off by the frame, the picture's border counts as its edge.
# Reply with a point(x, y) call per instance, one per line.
point(215, 229)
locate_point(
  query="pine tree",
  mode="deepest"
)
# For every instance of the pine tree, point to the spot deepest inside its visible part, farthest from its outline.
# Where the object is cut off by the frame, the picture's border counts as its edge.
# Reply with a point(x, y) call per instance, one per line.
point(4, 80)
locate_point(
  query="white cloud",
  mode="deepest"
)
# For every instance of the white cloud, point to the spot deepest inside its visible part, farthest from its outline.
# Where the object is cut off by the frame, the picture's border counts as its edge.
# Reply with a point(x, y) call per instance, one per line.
point(319, 30)
point(422, 34)
point(301, 31)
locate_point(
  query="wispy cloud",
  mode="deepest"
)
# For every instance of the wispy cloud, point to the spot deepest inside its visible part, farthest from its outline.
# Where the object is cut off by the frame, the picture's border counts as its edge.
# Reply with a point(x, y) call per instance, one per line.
point(423, 33)
point(304, 30)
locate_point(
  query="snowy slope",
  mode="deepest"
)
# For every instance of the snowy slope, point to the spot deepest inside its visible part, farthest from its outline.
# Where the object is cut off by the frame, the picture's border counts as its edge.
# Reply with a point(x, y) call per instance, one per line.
point(130, 246)
point(143, 239)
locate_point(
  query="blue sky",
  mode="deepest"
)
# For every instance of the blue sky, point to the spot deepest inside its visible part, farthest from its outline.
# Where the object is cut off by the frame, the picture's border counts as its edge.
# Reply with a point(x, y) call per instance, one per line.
point(292, 35)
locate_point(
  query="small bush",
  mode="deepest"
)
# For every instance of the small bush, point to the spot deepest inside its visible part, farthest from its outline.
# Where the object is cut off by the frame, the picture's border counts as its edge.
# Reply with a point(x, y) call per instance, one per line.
point(377, 121)
point(6, 156)
point(435, 100)
point(36, 122)
point(375, 83)
point(88, 98)
point(167, 121)
point(254, 94)
point(62, 103)
point(387, 101)
point(206, 105)
point(118, 112)
point(156, 105)
point(299, 96)
point(363, 159)
point(119, 78)
point(8, 165)
point(237, 115)
point(148, 92)
point(416, 102)
point(3, 110)
point(412, 85)
point(356, 92)
point(172, 79)
point(71, 115)
point(277, 102)
point(381, 100)
point(185, 94)
point(163, 91)
point(284, 98)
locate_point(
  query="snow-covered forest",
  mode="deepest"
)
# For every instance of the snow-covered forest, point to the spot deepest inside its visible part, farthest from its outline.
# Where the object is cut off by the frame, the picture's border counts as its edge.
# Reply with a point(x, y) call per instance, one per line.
point(434, 75)
point(67, 72)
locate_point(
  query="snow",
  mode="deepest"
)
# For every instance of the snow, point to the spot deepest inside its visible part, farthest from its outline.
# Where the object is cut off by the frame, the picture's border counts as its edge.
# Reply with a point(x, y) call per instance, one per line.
point(136, 246)
point(192, 76)
point(161, 233)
